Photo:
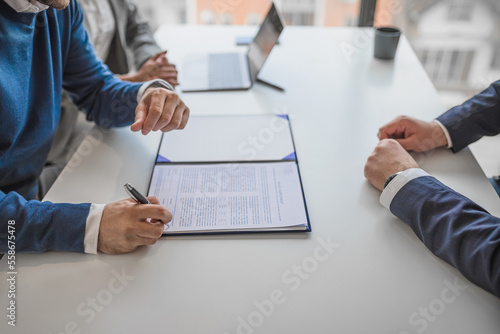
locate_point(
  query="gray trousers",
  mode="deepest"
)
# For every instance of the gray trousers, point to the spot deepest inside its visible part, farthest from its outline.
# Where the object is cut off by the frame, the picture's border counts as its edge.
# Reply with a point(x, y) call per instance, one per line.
point(69, 135)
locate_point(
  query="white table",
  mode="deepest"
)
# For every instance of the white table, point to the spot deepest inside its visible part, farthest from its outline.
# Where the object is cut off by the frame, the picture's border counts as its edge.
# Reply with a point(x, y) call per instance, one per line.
point(379, 279)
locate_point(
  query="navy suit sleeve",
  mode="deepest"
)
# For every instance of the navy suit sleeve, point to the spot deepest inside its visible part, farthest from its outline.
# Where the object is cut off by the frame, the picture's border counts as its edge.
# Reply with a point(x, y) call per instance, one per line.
point(34, 228)
point(477, 117)
point(104, 98)
point(454, 228)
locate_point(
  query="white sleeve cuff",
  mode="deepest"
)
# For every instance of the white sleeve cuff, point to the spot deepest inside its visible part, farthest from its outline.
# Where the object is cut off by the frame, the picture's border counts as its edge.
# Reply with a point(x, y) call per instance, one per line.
point(155, 82)
point(446, 133)
point(397, 183)
point(92, 228)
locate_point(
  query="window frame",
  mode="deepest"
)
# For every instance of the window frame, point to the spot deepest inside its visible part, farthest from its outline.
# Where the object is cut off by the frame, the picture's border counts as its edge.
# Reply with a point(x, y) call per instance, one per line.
point(367, 13)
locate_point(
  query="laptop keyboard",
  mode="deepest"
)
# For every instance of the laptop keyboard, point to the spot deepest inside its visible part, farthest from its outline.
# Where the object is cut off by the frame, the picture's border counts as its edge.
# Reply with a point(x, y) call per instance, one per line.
point(224, 71)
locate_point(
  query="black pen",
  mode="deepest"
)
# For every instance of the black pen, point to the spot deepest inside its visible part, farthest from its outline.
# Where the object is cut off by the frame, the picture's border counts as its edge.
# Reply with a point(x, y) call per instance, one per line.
point(267, 83)
point(137, 196)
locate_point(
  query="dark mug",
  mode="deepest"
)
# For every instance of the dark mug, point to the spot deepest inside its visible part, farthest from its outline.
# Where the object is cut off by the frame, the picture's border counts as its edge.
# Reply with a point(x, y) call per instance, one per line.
point(386, 42)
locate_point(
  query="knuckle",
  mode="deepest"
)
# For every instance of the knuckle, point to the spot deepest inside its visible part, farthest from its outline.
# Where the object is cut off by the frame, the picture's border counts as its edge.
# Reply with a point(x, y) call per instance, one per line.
point(163, 211)
point(405, 119)
point(393, 142)
point(156, 111)
point(174, 97)
point(159, 232)
point(176, 123)
point(165, 118)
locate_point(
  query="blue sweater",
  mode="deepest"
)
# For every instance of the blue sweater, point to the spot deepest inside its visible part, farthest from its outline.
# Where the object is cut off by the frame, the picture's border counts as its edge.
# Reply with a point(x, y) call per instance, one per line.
point(40, 54)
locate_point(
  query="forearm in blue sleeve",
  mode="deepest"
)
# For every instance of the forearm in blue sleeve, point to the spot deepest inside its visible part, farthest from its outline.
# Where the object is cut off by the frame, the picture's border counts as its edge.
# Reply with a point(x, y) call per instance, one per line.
point(475, 118)
point(107, 100)
point(41, 226)
point(454, 228)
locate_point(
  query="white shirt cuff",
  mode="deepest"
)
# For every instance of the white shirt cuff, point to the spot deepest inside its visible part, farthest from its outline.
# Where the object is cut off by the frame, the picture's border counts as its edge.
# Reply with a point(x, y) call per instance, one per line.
point(397, 183)
point(148, 84)
point(92, 228)
point(446, 133)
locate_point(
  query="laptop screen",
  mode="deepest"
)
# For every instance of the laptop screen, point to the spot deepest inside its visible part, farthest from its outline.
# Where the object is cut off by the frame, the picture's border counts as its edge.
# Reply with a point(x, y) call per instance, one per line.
point(264, 42)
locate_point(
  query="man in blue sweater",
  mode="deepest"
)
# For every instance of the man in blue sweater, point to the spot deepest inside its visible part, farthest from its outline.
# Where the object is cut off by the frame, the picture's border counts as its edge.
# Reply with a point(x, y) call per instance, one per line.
point(452, 226)
point(44, 48)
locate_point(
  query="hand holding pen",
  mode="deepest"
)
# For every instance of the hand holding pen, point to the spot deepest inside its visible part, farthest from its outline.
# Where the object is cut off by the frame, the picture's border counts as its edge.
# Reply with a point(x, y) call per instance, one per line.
point(128, 224)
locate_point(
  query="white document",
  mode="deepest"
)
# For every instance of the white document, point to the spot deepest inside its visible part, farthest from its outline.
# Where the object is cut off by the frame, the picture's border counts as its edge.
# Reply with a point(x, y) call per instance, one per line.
point(228, 197)
point(229, 138)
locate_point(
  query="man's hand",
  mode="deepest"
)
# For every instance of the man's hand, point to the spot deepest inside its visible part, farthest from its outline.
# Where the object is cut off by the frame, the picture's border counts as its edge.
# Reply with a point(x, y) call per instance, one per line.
point(125, 226)
point(388, 158)
point(413, 134)
point(156, 67)
point(160, 109)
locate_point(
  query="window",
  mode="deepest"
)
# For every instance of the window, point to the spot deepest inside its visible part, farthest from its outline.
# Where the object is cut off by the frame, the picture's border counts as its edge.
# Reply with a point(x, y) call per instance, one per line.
point(495, 60)
point(207, 17)
point(460, 10)
point(227, 18)
point(298, 12)
point(156, 12)
point(232, 11)
point(457, 41)
point(350, 21)
point(251, 12)
point(447, 67)
point(178, 7)
point(253, 19)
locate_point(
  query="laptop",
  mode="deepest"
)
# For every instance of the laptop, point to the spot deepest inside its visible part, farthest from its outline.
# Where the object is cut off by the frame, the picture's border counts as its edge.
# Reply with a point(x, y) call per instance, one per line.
point(236, 70)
